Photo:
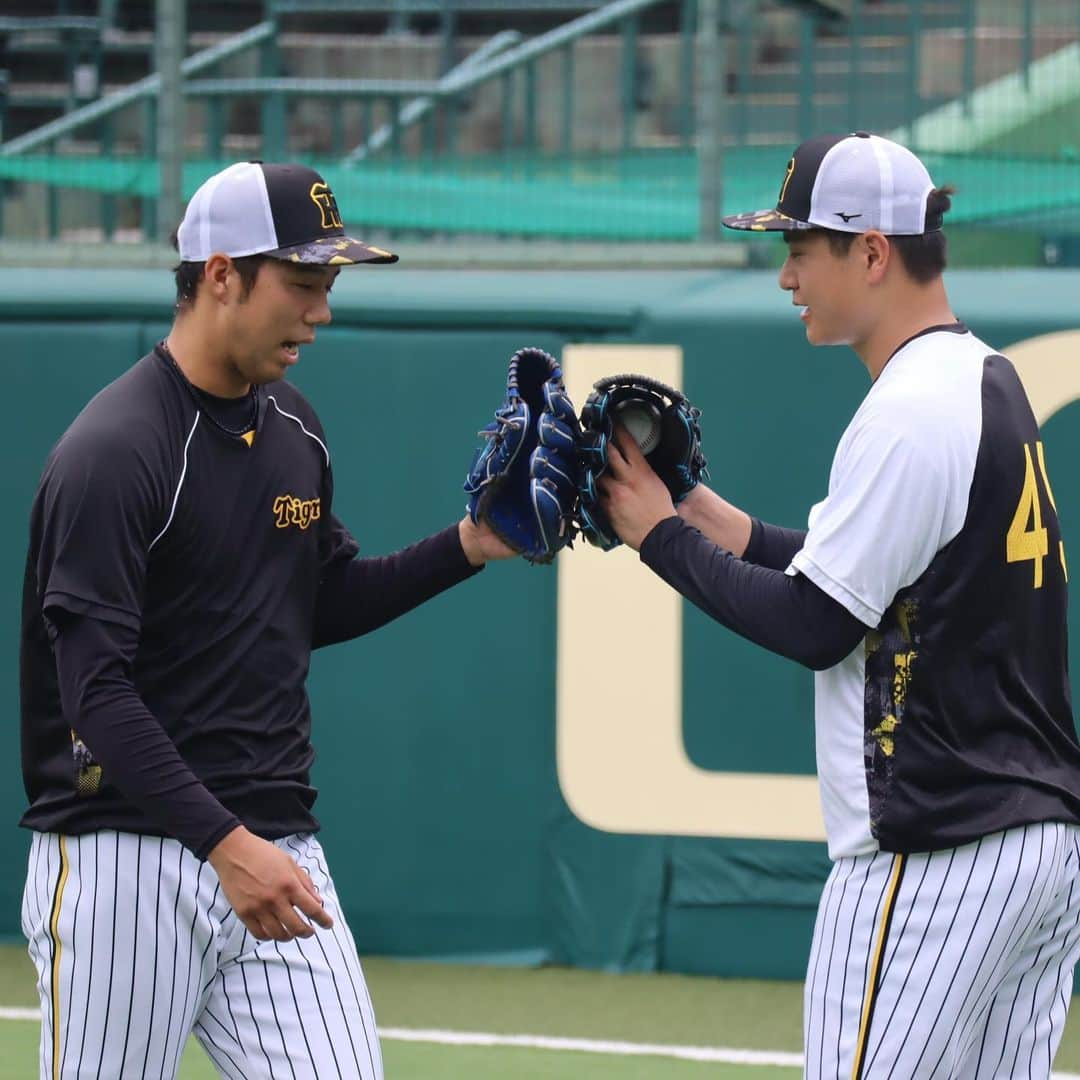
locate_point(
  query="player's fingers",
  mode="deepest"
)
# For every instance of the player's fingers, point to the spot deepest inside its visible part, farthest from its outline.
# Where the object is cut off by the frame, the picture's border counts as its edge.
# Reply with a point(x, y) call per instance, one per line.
point(618, 466)
point(312, 906)
point(256, 928)
point(628, 446)
point(291, 925)
point(273, 920)
point(305, 880)
point(621, 443)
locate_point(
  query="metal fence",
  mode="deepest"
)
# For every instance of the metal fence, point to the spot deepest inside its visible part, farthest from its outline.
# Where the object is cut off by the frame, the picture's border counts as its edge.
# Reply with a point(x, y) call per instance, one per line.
point(626, 120)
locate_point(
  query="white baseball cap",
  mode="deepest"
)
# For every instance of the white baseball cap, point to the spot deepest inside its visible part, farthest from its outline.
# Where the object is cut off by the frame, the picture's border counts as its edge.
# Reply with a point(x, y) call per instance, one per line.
point(286, 211)
point(849, 183)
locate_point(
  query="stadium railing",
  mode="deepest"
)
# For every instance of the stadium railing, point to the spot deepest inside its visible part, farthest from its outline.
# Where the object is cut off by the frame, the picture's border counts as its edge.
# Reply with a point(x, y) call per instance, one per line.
point(587, 130)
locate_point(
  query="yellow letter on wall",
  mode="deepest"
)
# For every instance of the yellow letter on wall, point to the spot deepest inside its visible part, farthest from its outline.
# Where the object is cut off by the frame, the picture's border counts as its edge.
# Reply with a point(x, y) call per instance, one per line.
point(622, 761)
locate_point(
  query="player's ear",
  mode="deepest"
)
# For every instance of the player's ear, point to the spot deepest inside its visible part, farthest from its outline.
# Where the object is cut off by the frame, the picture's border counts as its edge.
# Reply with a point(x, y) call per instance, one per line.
point(216, 274)
point(875, 252)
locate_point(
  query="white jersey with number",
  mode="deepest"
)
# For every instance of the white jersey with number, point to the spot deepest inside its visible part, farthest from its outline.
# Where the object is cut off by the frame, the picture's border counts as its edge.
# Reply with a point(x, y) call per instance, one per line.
point(953, 720)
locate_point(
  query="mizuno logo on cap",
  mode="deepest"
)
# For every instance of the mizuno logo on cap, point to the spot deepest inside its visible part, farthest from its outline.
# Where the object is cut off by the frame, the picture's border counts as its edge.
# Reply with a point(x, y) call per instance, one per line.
point(847, 217)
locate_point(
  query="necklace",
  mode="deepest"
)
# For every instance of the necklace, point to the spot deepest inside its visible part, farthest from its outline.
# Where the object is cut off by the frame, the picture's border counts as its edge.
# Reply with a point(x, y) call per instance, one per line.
point(201, 404)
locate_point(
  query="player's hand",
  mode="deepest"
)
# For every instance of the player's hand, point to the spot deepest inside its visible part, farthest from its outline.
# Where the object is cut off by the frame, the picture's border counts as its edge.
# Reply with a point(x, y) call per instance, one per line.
point(480, 544)
point(267, 889)
point(634, 498)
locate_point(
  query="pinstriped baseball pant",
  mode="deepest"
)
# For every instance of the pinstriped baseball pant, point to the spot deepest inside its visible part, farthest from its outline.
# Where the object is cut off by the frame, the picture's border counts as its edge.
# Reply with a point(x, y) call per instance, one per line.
point(136, 947)
point(950, 964)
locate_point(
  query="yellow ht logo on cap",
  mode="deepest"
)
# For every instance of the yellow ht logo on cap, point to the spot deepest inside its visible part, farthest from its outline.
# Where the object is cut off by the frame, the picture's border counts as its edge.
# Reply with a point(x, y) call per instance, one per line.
point(787, 179)
point(323, 198)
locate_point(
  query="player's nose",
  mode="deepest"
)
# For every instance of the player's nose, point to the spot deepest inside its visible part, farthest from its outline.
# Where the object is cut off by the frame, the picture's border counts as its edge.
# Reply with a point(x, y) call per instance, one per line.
point(319, 313)
point(787, 277)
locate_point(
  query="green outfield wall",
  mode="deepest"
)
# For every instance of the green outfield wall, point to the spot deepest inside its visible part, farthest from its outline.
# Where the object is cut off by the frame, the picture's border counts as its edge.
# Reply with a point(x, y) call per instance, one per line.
point(444, 821)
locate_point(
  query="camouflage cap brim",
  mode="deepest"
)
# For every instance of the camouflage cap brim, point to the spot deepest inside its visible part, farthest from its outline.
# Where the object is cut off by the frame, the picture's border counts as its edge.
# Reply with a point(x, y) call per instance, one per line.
point(334, 251)
point(765, 221)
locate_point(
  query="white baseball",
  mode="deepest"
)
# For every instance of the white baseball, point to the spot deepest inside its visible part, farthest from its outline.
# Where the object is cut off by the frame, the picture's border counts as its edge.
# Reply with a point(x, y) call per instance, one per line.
point(643, 422)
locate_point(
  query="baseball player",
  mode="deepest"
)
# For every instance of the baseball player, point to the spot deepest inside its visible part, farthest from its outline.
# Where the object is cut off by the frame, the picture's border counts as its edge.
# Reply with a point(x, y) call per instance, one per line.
point(184, 561)
point(929, 594)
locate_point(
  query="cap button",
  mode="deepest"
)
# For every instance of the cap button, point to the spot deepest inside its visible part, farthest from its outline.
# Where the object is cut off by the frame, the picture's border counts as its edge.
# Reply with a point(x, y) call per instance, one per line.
point(862, 134)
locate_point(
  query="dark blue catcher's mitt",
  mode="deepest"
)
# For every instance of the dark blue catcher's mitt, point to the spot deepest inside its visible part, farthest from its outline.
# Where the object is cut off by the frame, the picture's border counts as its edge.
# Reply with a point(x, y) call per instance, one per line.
point(524, 480)
point(664, 425)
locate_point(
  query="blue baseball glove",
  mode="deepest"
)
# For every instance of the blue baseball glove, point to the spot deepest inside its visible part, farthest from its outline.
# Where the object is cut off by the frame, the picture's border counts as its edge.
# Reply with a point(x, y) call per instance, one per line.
point(664, 425)
point(523, 481)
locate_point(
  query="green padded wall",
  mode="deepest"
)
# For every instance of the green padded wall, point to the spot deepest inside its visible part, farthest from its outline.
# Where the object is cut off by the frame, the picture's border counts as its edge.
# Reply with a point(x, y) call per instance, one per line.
point(442, 816)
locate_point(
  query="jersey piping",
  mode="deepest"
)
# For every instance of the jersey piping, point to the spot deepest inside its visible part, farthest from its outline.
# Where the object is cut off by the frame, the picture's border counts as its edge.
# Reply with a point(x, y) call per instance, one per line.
point(54, 938)
point(296, 419)
point(179, 485)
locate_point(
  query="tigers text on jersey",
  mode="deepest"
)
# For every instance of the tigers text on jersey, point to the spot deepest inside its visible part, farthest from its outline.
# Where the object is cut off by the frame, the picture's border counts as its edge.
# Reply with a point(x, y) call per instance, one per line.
point(954, 720)
point(209, 545)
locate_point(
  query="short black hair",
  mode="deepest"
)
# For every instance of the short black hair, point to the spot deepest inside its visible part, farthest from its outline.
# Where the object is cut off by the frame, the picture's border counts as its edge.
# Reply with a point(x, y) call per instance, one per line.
point(189, 274)
point(924, 256)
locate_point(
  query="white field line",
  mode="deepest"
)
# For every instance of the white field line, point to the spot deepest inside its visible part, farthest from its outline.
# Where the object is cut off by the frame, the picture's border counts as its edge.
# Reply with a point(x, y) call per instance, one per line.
point(597, 1046)
point(721, 1054)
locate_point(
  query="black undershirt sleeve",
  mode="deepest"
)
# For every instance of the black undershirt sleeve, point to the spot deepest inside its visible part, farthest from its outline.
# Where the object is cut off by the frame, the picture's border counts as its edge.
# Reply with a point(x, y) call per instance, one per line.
point(772, 545)
point(787, 615)
point(137, 757)
point(357, 596)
